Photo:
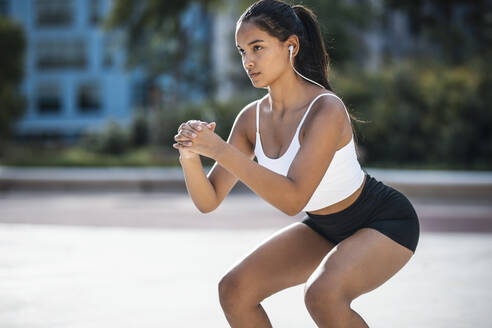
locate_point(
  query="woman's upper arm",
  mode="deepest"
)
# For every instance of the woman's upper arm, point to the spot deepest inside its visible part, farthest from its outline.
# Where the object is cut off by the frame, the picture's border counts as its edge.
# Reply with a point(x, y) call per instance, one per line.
point(220, 178)
point(319, 144)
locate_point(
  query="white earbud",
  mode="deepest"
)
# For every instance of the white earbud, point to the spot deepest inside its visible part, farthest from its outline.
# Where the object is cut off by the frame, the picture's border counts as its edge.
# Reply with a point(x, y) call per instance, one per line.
point(291, 49)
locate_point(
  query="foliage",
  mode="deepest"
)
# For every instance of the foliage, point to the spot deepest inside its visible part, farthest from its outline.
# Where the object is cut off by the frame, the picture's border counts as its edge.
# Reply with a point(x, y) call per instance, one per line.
point(419, 114)
point(457, 29)
point(32, 155)
point(166, 37)
point(422, 112)
point(223, 113)
point(342, 24)
point(12, 44)
point(139, 131)
point(112, 140)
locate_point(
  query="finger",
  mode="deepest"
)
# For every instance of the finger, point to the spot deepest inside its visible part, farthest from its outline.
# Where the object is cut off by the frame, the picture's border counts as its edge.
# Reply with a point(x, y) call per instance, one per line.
point(181, 138)
point(188, 129)
point(177, 145)
point(212, 125)
point(188, 133)
point(196, 125)
point(193, 123)
point(180, 146)
point(184, 126)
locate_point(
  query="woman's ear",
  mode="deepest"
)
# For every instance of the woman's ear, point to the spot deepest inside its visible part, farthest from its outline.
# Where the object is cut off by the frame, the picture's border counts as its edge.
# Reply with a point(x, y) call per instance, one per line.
point(293, 41)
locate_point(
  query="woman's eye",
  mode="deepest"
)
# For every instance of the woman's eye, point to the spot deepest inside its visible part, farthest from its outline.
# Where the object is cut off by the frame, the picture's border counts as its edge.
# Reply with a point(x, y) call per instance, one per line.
point(255, 48)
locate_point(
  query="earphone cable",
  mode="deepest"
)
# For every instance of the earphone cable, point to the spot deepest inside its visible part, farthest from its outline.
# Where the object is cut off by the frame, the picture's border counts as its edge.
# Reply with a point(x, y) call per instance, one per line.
point(291, 64)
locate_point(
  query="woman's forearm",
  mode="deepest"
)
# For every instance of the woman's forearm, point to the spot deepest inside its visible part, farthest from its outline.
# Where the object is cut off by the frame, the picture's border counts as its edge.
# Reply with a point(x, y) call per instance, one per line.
point(278, 190)
point(199, 187)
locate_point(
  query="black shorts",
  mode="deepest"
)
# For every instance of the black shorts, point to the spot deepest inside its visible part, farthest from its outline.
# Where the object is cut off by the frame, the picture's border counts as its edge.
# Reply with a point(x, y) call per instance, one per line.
point(379, 207)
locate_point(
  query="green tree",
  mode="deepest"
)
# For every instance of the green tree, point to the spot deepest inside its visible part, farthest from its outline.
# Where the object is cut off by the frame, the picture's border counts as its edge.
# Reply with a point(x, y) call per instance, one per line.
point(458, 29)
point(12, 44)
point(168, 46)
point(157, 39)
point(342, 25)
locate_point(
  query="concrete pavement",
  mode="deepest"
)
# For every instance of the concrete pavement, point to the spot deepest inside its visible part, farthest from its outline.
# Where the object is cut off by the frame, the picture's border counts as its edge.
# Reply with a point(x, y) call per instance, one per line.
point(111, 258)
point(95, 277)
point(447, 184)
point(176, 210)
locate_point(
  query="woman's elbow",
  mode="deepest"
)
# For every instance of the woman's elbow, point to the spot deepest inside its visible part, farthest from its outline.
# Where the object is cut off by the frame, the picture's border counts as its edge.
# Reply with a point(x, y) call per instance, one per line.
point(292, 210)
point(294, 207)
point(205, 210)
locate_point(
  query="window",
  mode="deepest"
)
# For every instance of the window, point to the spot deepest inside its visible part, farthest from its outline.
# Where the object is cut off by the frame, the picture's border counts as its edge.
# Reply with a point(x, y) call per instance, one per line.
point(94, 12)
point(4, 7)
point(61, 54)
point(54, 12)
point(108, 51)
point(48, 98)
point(89, 97)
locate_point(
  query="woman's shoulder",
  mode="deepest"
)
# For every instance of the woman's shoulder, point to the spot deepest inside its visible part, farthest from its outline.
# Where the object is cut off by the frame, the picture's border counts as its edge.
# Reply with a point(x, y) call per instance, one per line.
point(245, 121)
point(328, 104)
point(329, 112)
point(248, 112)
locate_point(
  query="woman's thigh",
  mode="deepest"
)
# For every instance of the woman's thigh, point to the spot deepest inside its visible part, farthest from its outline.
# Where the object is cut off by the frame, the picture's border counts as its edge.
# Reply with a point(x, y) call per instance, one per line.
point(285, 259)
point(359, 264)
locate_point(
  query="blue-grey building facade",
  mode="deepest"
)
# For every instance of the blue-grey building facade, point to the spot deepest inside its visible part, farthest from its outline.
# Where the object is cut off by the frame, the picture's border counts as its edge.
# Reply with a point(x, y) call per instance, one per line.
point(74, 74)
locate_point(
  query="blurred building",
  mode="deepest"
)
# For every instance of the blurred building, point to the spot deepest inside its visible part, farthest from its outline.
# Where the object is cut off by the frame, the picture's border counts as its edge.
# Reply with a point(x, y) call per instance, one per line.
point(74, 76)
point(224, 66)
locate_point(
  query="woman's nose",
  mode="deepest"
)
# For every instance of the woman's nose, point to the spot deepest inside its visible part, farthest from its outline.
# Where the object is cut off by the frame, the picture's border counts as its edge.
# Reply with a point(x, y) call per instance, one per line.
point(248, 63)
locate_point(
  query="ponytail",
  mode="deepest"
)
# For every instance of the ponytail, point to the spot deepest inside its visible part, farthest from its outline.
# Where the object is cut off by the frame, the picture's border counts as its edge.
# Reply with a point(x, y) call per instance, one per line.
point(312, 60)
point(281, 20)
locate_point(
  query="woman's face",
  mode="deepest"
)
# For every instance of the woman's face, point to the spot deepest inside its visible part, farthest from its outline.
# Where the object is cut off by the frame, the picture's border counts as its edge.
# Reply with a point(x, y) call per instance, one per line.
point(265, 58)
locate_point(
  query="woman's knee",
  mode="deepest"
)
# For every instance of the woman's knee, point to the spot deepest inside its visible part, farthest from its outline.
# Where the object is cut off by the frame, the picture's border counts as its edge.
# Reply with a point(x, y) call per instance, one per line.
point(235, 289)
point(325, 296)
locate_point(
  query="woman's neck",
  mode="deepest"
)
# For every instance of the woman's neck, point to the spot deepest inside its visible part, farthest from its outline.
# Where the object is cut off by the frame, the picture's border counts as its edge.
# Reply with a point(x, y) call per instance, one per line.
point(291, 92)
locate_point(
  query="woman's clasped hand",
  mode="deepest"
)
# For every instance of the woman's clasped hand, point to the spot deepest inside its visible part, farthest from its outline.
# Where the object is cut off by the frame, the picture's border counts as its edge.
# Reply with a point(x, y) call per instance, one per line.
point(198, 137)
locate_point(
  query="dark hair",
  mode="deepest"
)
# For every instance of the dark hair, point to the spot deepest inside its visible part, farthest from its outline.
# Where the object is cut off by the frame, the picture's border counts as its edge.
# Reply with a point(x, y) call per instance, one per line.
point(281, 20)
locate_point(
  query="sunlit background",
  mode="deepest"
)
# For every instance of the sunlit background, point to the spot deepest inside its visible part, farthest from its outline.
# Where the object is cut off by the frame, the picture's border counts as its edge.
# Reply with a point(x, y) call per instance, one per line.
point(94, 217)
point(99, 82)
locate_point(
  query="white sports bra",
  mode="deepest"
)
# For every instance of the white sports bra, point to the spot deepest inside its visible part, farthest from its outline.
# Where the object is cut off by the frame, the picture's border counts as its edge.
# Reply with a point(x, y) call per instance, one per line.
point(342, 178)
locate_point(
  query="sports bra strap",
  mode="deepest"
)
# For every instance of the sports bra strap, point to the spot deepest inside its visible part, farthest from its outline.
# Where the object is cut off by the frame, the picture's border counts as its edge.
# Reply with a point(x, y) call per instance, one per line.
point(305, 114)
point(258, 114)
point(346, 110)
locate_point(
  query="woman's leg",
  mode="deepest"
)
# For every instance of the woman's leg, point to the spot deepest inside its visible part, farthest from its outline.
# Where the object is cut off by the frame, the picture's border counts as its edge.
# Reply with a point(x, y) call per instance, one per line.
point(356, 266)
point(284, 260)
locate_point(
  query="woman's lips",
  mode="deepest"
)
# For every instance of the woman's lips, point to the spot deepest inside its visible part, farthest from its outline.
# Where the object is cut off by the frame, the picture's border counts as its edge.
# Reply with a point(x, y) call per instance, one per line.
point(252, 75)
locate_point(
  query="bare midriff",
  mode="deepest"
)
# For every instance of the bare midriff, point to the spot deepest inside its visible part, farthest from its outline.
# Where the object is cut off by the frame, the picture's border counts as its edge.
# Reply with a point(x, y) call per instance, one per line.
point(341, 205)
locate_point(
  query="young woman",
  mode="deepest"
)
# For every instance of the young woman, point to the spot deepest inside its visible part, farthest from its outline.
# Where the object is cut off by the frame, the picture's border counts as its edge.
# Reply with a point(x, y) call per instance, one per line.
point(358, 232)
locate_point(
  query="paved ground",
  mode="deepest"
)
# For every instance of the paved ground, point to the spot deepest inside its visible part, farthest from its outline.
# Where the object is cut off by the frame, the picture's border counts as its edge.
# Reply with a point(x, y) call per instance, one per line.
point(443, 184)
point(52, 276)
point(176, 210)
point(151, 260)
